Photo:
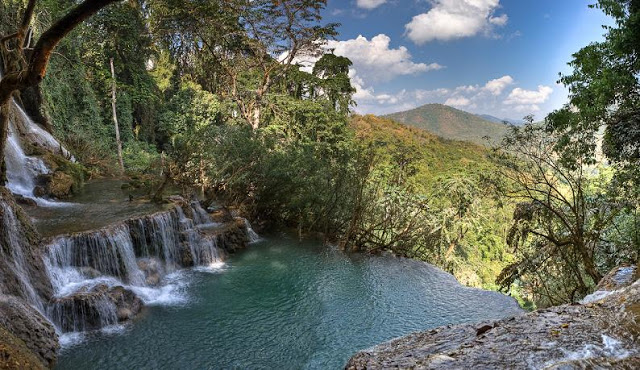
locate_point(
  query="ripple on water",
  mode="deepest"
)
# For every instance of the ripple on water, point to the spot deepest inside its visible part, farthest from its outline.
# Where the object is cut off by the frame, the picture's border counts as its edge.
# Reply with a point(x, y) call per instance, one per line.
point(285, 304)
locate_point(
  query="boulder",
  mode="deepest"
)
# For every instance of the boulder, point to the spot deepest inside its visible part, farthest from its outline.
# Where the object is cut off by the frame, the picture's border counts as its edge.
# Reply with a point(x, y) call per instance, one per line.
point(60, 185)
point(233, 236)
point(29, 331)
point(93, 308)
point(153, 270)
point(128, 304)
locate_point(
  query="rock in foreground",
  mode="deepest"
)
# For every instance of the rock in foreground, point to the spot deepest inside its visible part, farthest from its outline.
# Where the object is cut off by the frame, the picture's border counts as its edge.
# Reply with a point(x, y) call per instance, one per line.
point(600, 334)
point(25, 336)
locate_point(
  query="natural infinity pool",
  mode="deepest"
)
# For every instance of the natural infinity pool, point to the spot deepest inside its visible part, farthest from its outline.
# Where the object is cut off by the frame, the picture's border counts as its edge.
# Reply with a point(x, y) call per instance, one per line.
point(283, 304)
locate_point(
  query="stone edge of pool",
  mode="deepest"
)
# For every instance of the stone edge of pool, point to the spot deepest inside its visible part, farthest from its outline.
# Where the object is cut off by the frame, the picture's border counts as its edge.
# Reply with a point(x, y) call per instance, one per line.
point(600, 332)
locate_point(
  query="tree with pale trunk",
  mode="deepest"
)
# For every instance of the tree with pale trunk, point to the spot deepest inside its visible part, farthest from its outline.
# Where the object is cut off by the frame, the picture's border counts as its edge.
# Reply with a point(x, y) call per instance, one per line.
point(26, 66)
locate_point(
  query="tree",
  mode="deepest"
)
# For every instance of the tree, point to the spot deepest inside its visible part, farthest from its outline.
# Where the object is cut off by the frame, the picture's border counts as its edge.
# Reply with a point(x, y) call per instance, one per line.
point(115, 117)
point(25, 67)
point(604, 92)
point(248, 45)
point(558, 225)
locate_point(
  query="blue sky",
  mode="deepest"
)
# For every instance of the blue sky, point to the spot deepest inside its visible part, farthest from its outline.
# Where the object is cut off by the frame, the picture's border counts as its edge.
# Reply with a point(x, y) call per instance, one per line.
point(500, 57)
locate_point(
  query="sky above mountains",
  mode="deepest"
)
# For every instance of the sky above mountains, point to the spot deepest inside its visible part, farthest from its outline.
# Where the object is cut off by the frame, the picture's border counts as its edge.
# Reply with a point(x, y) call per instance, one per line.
point(499, 57)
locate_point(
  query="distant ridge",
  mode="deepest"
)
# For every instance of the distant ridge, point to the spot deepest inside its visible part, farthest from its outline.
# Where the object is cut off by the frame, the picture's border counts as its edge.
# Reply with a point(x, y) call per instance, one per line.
point(451, 123)
point(490, 118)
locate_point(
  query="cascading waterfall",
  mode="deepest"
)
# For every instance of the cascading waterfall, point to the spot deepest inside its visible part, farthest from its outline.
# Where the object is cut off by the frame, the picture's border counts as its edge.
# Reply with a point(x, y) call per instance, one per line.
point(139, 254)
point(39, 136)
point(22, 170)
point(253, 236)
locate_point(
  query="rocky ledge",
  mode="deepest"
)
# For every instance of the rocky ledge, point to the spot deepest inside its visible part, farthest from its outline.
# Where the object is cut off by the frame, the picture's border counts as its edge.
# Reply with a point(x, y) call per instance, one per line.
point(602, 332)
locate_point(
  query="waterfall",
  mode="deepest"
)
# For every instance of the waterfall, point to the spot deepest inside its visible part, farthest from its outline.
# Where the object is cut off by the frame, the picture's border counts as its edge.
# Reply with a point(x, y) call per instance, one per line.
point(40, 137)
point(140, 255)
point(23, 170)
point(96, 279)
point(253, 236)
point(13, 256)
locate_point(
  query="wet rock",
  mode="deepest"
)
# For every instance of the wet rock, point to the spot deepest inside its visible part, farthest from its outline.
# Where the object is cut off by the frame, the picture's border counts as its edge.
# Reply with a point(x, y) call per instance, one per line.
point(22, 270)
point(93, 308)
point(231, 236)
point(23, 201)
point(128, 305)
point(618, 278)
point(28, 329)
point(89, 272)
point(603, 334)
point(14, 354)
point(60, 185)
point(153, 270)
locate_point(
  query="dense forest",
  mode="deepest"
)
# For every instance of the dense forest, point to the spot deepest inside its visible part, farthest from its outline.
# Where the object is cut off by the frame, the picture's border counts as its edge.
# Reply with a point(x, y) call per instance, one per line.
point(208, 96)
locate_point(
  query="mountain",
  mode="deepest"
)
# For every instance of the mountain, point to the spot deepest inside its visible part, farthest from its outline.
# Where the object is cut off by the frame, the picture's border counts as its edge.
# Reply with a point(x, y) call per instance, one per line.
point(490, 118)
point(451, 123)
point(439, 157)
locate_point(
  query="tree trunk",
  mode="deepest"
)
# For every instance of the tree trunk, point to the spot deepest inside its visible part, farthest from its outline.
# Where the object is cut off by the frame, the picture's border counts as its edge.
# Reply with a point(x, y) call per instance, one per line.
point(255, 117)
point(115, 117)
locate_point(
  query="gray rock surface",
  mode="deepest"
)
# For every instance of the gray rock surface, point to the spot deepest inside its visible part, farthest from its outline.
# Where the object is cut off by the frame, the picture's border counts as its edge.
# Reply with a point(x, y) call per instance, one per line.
point(30, 327)
point(601, 334)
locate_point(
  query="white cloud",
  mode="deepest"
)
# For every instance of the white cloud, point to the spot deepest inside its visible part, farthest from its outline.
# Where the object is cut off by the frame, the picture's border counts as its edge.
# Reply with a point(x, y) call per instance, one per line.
point(493, 97)
point(370, 4)
point(459, 101)
point(521, 97)
point(454, 19)
point(499, 21)
point(376, 61)
point(495, 87)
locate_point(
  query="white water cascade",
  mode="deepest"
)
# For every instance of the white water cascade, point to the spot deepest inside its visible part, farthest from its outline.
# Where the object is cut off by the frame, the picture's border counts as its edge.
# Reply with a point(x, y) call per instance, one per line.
point(23, 170)
point(145, 256)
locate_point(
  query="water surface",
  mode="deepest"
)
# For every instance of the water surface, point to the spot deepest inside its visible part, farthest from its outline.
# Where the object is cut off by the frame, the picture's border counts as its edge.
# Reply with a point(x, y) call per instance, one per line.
point(283, 304)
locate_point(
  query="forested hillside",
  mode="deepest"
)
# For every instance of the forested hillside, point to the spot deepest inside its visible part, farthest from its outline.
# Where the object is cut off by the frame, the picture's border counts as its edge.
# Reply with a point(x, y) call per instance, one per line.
point(452, 123)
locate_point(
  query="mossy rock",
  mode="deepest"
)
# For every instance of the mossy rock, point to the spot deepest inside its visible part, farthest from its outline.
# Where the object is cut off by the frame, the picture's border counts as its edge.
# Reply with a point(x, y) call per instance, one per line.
point(61, 185)
point(76, 171)
point(14, 354)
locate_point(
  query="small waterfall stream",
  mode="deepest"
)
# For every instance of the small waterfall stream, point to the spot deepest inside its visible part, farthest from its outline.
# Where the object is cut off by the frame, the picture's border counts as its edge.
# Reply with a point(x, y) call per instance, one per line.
point(23, 170)
point(13, 255)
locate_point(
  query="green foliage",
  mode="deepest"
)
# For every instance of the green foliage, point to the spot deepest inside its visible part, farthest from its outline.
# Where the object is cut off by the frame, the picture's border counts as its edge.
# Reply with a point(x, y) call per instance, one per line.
point(605, 93)
point(566, 208)
point(141, 158)
point(425, 197)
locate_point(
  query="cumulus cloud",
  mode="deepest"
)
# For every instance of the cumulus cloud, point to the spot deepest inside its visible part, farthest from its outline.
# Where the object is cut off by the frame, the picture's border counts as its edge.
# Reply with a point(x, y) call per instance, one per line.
point(370, 4)
point(495, 87)
point(521, 97)
point(375, 61)
point(454, 19)
point(492, 97)
point(459, 101)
